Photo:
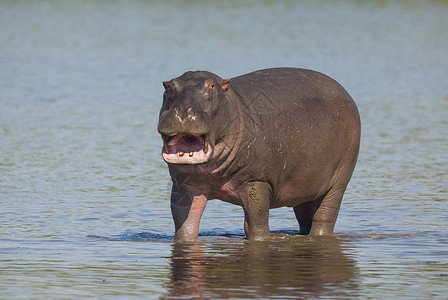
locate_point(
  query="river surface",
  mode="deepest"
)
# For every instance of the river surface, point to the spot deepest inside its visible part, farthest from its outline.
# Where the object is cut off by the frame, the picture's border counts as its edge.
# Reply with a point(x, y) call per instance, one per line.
point(84, 193)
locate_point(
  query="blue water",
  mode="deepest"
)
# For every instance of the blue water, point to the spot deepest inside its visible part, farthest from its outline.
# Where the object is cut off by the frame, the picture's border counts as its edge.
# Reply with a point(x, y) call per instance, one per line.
point(84, 193)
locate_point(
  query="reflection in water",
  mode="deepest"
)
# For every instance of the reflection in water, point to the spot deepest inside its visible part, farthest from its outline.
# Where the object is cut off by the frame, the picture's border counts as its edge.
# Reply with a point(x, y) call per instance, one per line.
point(291, 267)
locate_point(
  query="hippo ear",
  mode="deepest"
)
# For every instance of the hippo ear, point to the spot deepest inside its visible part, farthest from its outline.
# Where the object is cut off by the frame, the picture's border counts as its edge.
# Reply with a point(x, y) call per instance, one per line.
point(166, 84)
point(225, 84)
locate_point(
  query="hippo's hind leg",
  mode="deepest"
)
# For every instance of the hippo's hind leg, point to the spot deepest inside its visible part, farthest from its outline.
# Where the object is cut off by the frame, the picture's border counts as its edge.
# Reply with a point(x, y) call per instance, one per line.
point(318, 217)
point(326, 214)
point(304, 214)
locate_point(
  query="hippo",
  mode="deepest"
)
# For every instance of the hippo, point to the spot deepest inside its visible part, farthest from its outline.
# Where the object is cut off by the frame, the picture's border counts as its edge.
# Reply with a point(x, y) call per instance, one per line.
point(267, 139)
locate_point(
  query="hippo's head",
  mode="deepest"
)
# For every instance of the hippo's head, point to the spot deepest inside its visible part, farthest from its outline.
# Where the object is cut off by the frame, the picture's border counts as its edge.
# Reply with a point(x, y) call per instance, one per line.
point(190, 103)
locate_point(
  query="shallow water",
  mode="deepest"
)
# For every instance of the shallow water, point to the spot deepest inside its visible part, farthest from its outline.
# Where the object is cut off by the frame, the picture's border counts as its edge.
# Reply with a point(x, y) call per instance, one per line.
point(84, 191)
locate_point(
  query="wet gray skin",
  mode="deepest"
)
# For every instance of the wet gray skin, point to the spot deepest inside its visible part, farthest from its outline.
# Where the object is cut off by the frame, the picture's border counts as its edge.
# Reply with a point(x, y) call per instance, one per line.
point(271, 138)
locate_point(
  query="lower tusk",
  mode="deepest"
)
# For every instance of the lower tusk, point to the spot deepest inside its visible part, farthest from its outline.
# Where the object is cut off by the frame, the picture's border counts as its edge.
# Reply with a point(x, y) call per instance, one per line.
point(205, 147)
point(191, 153)
point(181, 153)
point(166, 147)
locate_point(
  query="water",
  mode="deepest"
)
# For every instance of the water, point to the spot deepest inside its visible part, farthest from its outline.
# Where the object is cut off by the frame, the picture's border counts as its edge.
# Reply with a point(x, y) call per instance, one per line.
point(84, 192)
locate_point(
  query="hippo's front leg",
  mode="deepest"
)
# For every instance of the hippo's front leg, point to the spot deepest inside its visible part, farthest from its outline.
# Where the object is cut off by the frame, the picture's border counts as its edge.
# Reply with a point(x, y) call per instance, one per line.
point(256, 198)
point(187, 206)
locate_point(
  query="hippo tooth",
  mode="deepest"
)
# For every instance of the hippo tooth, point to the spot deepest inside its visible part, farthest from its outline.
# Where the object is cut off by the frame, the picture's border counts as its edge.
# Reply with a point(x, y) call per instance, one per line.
point(167, 148)
point(191, 153)
point(205, 147)
point(181, 153)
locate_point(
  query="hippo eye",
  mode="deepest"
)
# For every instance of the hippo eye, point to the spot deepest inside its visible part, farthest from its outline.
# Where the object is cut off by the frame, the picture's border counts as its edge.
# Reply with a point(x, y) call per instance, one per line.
point(168, 90)
point(209, 85)
point(167, 87)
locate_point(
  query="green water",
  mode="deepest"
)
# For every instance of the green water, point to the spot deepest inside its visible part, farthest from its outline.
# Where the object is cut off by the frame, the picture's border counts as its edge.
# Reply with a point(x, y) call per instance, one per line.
point(84, 209)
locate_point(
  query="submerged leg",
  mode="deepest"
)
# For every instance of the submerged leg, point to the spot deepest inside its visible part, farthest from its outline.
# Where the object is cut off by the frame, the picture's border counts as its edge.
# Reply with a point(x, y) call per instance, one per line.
point(187, 207)
point(256, 198)
point(326, 214)
point(304, 214)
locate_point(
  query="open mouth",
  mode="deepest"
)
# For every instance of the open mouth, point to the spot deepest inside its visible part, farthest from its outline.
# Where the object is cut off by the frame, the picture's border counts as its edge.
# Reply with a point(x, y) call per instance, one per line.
point(186, 148)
